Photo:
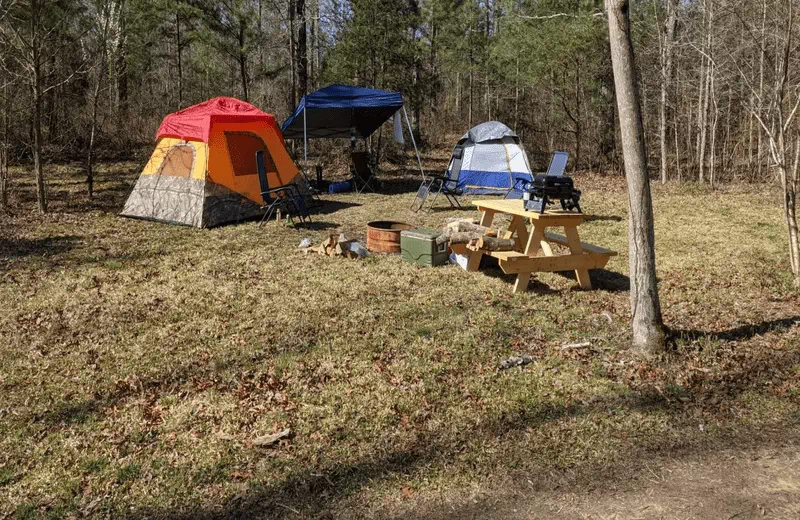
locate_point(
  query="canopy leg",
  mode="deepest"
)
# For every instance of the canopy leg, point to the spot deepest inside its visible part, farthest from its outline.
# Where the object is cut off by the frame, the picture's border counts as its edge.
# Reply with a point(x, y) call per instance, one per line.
point(414, 142)
point(305, 143)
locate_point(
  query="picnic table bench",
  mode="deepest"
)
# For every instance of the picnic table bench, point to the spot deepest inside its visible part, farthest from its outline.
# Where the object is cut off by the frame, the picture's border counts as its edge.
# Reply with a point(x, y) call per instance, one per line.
point(526, 258)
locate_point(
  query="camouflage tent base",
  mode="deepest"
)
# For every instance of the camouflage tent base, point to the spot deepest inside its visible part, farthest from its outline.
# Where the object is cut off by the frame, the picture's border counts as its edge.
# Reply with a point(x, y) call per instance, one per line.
point(187, 201)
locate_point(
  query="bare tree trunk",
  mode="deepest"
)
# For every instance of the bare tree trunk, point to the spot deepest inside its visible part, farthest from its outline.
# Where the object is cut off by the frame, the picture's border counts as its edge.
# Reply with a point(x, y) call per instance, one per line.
point(707, 80)
point(292, 64)
point(37, 105)
point(180, 58)
point(791, 185)
point(666, 78)
point(4, 147)
point(121, 67)
point(100, 66)
point(471, 61)
point(312, 63)
point(648, 333)
point(714, 121)
point(516, 98)
point(458, 94)
point(243, 61)
point(302, 45)
point(578, 124)
point(92, 132)
point(761, 83)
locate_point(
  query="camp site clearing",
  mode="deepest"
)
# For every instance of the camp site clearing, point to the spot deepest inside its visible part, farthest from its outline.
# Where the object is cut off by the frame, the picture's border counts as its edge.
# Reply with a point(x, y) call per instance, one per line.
point(148, 367)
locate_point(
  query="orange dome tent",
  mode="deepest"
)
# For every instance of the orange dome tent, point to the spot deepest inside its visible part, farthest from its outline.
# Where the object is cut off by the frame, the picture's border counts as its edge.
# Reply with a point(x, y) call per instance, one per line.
point(203, 170)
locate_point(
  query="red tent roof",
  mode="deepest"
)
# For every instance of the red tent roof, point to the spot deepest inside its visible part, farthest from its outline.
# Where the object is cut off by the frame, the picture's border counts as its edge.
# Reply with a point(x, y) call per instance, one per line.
point(195, 121)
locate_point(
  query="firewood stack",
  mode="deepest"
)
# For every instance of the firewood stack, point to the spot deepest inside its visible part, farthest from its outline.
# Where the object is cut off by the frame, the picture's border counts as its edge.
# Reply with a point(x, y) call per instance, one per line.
point(474, 236)
point(337, 245)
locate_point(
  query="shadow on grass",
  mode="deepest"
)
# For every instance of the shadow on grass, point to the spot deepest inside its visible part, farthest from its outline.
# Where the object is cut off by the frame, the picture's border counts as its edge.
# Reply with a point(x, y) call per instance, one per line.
point(603, 218)
point(602, 280)
point(743, 332)
point(318, 491)
point(317, 225)
point(534, 285)
point(44, 247)
point(326, 207)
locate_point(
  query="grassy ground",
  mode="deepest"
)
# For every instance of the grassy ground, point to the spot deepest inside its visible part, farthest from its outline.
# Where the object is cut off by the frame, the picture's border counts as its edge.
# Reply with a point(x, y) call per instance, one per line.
point(139, 362)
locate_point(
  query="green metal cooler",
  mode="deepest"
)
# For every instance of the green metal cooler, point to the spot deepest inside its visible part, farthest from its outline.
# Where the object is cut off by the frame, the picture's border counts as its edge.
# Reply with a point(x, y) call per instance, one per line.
point(418, 246)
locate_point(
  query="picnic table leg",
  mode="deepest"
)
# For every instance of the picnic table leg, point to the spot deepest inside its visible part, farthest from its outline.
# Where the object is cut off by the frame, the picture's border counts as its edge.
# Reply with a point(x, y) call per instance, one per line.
point(521, 285)
point(517, 226)
point(475, 257)
point(532, 246)
point(575, 247)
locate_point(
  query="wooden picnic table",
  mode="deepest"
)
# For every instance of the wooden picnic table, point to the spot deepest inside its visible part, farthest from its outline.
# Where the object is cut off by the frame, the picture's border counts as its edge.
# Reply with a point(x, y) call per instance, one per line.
point(526, 258)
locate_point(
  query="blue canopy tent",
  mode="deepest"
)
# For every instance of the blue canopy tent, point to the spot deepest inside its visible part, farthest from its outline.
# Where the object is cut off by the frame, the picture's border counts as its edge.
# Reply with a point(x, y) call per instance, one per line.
point(344, 112)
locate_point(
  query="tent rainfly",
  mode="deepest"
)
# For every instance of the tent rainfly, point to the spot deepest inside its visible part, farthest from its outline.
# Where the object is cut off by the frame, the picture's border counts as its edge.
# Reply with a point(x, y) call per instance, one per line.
point(203, 170)
point(488, 159)
point(343, 112)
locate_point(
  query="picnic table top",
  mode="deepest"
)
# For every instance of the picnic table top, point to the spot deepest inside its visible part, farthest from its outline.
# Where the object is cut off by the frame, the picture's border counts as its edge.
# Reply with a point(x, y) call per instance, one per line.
point(517, 207)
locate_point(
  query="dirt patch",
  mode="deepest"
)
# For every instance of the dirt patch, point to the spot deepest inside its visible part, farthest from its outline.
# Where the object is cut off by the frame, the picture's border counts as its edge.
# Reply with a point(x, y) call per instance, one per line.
point(730, 485)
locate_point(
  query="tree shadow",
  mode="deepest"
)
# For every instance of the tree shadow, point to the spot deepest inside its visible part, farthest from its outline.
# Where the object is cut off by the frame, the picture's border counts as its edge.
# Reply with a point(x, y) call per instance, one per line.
point(326, 207)
point(443, 207)
point(44, 247)
point(603, 218)
point(534, 285)
point(317, 491)
point(740, 333)
point(603, 280)
point(317, 225)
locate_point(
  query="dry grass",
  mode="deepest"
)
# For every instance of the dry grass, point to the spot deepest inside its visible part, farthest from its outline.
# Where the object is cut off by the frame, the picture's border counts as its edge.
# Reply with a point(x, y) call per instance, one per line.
point(139, 360)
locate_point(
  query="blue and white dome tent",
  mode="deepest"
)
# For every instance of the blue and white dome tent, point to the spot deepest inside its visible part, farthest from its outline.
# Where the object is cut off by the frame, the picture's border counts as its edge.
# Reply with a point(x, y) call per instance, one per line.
point(488, 159)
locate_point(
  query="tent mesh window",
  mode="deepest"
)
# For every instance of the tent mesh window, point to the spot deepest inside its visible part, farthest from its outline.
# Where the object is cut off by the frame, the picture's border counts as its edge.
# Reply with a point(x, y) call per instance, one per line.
point(178, 161)
point(242, 148)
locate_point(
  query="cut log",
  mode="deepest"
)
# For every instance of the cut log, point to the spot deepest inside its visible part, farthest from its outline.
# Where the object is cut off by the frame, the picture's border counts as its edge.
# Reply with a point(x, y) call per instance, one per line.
point(495, 244)
point(467, 225)
point(464, 237)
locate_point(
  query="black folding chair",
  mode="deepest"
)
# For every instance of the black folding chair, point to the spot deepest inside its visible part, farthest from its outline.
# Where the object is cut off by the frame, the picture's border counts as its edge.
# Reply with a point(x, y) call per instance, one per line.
point(446, 185)
point(363, 175)
point(286, 198)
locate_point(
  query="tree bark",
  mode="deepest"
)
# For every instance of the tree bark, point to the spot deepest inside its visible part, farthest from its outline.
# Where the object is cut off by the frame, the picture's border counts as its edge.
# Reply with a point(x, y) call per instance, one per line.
point(648, 333)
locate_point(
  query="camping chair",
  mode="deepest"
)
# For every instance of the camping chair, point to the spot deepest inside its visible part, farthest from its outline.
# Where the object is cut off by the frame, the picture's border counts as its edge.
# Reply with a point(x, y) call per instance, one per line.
point(447, 185)
point(286, 198)
point(363, 175)
point(558, 165)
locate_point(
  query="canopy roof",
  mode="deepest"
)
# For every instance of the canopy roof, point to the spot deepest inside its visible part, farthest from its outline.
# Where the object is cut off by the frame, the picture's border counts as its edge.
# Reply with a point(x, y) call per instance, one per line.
point(333, 111)
point(194, 122)
point(488, 131)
